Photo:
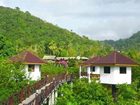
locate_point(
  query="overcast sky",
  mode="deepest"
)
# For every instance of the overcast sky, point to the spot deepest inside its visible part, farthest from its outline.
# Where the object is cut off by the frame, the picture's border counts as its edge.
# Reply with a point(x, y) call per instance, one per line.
point(97, 19)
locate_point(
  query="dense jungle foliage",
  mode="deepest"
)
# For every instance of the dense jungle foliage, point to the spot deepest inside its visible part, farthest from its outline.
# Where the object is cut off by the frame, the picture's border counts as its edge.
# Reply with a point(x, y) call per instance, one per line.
point(11, 78)
point(80, 92)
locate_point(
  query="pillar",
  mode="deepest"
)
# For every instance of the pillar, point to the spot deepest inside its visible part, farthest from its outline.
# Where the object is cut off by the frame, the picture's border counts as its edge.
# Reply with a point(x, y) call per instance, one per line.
point(55, 95)
point(50, 99)
point(88, 74)
point(114, 89)
point(53, 98)
point(80, 69)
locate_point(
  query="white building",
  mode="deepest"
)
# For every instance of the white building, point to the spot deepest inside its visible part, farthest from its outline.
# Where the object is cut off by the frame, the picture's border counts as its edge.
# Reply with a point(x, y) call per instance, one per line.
point(32, 64)
point(114, 68)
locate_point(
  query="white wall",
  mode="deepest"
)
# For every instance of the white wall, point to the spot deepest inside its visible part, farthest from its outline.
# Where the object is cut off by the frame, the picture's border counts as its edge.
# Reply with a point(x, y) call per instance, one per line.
point(26, 71)
point(35, 75)
point(88, 74)
point(97, 70)
point(115, 77)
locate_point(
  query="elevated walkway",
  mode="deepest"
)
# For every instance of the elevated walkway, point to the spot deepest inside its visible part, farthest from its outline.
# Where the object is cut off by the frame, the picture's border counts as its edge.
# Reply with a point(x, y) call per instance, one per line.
point(43, 91)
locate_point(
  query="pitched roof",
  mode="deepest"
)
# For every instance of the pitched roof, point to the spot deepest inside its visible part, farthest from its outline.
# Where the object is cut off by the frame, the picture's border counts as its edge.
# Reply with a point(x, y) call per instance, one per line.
point(91, 60)
point(112, 59)
point(27, 58)
point(115, 58)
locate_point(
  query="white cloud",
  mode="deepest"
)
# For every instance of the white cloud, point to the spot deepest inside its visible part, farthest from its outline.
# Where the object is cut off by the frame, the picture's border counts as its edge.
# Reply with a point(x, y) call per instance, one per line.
point(2, 3)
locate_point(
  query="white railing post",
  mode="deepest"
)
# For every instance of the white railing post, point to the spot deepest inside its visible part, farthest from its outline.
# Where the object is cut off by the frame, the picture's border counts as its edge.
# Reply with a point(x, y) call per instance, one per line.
point(53, 98)
point(55, 95)
point(50, 99)
point(88, 74)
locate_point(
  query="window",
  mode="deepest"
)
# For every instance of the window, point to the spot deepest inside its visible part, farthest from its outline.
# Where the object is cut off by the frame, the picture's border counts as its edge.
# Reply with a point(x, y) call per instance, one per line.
point(107, 70)
point(122, 70)
point(31, 68)
point(92, 69)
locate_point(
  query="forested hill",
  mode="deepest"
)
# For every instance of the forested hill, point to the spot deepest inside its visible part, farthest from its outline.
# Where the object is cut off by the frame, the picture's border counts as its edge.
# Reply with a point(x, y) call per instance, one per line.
point(124, 44)
point(22, 31)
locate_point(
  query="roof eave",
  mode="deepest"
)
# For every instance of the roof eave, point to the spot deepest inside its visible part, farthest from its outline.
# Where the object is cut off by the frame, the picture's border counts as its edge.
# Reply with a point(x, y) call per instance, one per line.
point(127, 65)
point(33, 63)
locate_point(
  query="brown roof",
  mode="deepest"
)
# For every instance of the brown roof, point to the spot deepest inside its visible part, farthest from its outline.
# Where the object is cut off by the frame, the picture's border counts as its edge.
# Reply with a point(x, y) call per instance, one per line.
point(27, 58)
point(115, 58)
point(91, 60)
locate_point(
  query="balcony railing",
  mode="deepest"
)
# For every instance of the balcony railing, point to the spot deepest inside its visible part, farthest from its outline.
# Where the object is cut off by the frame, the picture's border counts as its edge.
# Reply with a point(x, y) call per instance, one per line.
point(84, 74)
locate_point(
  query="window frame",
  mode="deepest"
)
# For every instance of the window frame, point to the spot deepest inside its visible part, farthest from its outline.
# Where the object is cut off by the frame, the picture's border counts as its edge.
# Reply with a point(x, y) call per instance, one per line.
point(31, 68)
point(107, 68)
point(92, 68)
point(123, 70)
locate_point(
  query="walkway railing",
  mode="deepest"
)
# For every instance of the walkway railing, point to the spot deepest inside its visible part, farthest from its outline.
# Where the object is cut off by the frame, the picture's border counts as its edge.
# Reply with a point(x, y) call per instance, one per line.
point(17, 98)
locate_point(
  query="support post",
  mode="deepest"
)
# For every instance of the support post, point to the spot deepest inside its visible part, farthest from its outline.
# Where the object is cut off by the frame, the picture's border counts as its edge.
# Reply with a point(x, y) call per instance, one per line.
point(55, 95)
point(88, 74)
point(53, 98)
point(114, 89)
point(50, 99)
point(80, 69)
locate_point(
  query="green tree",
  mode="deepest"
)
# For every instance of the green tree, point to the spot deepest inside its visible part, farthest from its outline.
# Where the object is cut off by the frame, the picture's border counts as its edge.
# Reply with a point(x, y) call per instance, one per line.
point(83, 93)
point(12, 78)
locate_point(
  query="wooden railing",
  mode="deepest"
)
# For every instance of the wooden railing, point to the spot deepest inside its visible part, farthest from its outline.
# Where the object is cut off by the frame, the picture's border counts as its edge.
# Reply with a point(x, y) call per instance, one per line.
point(17, 98)
point(97, 76)
point(83, 73)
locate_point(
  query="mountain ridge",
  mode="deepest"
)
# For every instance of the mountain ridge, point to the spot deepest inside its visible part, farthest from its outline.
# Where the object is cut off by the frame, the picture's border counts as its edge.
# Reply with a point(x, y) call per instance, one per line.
point(132, 42)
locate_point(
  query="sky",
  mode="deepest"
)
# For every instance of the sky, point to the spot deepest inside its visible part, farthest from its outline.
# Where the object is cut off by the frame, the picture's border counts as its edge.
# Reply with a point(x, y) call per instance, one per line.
point(97, 19)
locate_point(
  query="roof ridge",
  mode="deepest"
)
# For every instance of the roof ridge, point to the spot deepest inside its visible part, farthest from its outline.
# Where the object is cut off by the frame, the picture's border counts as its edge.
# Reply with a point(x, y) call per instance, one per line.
point(24, 56)
point(35, 55)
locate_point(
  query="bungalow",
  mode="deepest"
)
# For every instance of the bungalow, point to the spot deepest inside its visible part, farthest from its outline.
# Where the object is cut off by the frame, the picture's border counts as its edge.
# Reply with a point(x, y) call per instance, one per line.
point(114, 68)
point(32, 64)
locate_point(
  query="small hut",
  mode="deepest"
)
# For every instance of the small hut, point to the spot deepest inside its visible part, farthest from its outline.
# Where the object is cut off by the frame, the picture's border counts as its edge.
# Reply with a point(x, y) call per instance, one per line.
point(32, 64)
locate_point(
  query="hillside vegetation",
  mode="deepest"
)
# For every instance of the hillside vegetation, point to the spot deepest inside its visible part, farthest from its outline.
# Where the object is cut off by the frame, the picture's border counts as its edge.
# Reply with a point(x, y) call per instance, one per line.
point(129, 46)
point(22, 31)
point(124, 44)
